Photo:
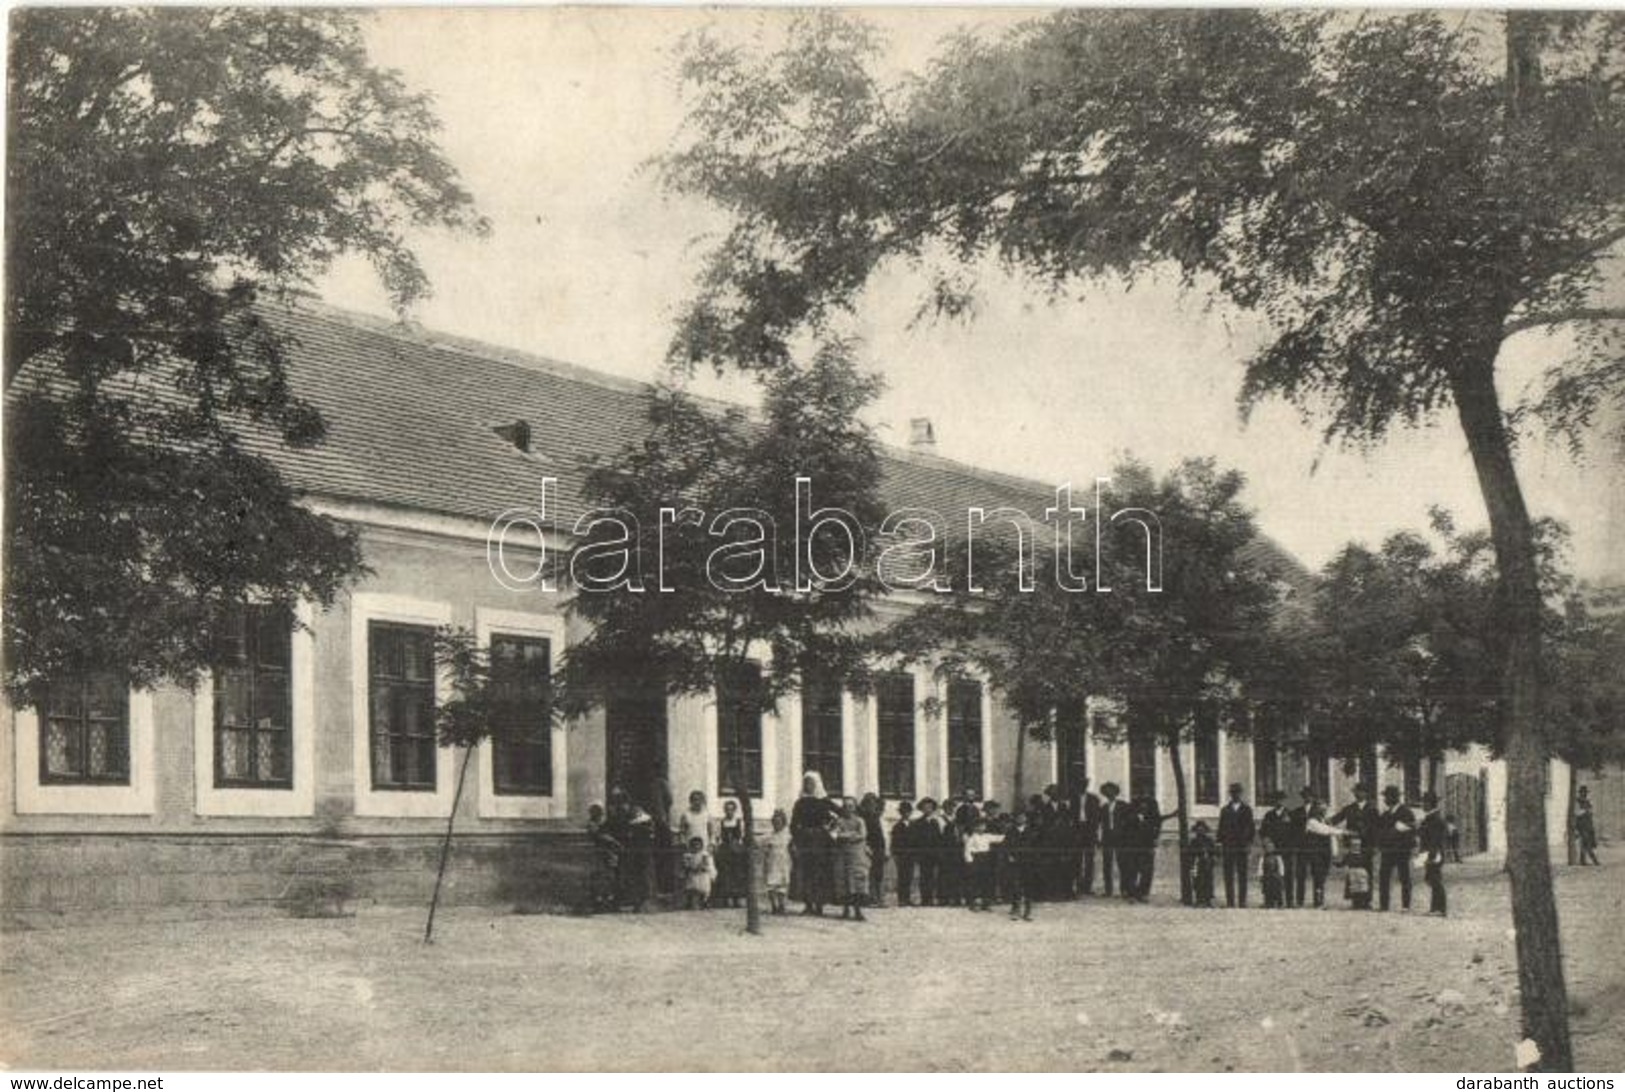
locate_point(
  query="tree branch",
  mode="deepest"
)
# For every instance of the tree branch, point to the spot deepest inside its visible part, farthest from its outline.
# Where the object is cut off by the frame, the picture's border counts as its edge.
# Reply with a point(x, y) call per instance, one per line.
point(1559, 318)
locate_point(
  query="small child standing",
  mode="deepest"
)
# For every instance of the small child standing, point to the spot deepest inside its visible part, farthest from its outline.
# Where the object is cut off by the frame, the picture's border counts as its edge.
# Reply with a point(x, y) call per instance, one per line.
point(1357, 875)
point(1273, 870)
point(1202, 851)
point(698, 872)
point(1024, 861)
point(776, 862)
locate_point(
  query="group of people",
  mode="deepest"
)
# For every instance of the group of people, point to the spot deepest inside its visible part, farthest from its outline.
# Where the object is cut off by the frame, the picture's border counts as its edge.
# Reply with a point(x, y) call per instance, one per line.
point(832, 851)
point(1299, 845)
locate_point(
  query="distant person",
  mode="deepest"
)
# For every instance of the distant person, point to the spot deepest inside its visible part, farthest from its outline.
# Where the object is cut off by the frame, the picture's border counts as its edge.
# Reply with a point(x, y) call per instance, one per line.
point(1585, 827)
point(697, 822)
point(1024, 855)
point(874, 828)
point(979, 847)
point(1455, 838)
point(1087, 818)
point(812, 877)
point(1115, 822)
point(1236, 833)
point(1148, 821)
point(1272, 873)
point(606, 861)
point(1357, 873)
point(699, 872)
point(903, 852)
point(732, 857)
point(1359, 818)
point(776, 863)
point(1396, 839)
point(1434, 837)
point(1275, 828)
point(1314, 850)
point(634, 830)
point(852, 863)
point(928, 832)
point(1200, 855)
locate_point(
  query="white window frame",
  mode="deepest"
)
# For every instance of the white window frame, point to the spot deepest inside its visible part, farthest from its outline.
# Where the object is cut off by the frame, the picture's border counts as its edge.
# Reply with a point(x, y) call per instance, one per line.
point(136, 798)
point(491, 805)
point(367, 607)
point(301, 798)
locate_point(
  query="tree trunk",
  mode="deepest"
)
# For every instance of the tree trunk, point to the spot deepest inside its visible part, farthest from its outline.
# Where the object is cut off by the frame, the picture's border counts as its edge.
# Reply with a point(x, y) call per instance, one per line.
point(1186, 895)
point(753, 905)
point(1020, 801)
point(1543, 995)
point(445, 845)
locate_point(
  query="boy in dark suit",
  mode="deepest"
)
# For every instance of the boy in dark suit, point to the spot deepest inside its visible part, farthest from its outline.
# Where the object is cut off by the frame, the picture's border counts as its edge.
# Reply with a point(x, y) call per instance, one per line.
point(926, 834)
point(902, 852)
point(1236, 833)
point(1202, 852)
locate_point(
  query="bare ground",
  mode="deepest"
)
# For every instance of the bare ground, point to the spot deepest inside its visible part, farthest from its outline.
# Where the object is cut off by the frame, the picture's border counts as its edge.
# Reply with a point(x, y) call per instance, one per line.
point(1087, 986)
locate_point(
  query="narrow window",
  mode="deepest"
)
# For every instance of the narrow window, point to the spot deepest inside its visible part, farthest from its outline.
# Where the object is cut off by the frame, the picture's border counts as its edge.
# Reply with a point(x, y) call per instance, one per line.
point(739, 731)
point(1207, 756)
point(253, 701)
point(964, 735)
point(822, 729)
point(521, 715)
point(894, 710)
point(401, 692)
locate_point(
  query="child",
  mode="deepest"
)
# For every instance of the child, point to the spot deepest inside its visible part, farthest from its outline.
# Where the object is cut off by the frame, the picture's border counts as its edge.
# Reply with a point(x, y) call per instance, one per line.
point(731, 860)
point(698, 872)
point(979, 846)
point(776, 862)
point(902, 852)
point(1357, 876)
point(606, 861)
point(1024, 861)
point(1273, 870)
point(1202, 852)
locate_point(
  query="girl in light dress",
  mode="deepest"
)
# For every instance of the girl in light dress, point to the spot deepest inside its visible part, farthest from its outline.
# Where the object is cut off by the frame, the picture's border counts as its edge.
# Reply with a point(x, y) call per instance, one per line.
point(776, 862)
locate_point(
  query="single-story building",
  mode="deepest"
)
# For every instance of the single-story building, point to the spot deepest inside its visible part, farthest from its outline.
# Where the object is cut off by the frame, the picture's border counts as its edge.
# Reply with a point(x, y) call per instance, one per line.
point(306, 764)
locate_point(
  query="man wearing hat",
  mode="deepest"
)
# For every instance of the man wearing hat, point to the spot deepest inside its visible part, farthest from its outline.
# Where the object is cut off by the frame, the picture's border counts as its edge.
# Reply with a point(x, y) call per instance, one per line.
point(1276, 829)
point(1395, 837)
point(1236, 832)
point(925, 845)
point(1314, 848)
point(1359, 818)
point(1115, 824)
point(1434, 834)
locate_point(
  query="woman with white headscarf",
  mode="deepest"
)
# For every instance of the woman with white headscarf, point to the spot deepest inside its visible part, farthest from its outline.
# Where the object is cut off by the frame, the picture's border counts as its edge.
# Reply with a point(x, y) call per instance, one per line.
point(812, 877)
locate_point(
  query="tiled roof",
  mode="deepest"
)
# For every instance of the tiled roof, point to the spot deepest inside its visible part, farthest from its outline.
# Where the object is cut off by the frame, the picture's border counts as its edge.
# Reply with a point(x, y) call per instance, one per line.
point(411, 418)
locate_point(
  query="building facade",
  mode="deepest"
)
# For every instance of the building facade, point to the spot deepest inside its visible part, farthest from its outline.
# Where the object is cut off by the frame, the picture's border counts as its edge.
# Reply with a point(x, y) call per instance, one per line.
point(304, 767)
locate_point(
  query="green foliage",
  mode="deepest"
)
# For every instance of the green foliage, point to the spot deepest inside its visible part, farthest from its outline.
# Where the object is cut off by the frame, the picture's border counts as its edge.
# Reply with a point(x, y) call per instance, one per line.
point(465, 718)
point(165, 169)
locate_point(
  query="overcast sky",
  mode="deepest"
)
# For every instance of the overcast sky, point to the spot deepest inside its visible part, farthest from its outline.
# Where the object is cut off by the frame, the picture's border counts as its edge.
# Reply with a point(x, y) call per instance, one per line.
point(551, 116)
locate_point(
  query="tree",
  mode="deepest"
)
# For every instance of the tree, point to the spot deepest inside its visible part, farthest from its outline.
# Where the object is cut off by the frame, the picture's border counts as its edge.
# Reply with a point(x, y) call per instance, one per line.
point(1166, 660)
point(465, 719)
point(1398, 195)
point(166, 170)
point(710, 572)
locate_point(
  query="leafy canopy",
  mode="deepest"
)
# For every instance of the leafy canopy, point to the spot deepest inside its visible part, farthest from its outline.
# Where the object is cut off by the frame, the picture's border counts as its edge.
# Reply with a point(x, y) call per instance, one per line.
point(166, 168)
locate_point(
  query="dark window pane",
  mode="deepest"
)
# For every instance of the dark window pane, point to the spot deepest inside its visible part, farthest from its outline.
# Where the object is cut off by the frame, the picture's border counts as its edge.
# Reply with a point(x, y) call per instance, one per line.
point(964, 735)
point(1072, 756)
point(1266, 773)
point(822, 729)
point(253, 700)
point(521, 680)
point(894, 697)
point(84, 731)
point(1142, 766)
point(1207, 757)
point(402, 704)
point(739, 732)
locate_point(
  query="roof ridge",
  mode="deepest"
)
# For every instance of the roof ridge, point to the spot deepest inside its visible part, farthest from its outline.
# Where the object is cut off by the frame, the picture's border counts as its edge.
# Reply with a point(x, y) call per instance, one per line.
point(492, 352)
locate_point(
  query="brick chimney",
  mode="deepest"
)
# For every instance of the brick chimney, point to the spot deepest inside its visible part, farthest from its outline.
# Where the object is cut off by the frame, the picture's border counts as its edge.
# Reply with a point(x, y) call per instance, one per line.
point(921, 436)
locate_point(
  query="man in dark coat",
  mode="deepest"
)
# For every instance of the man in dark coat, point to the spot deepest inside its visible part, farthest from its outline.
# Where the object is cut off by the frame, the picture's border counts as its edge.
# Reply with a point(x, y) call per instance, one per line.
point(1395, 837)
point(1116, 825)
point(925, 844)
point(1276, 829)
point(1087, 817)
point(1314, 852)
point(1434, 834)
point(1359, 818)
point(903, 853)
point(1236, 833)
